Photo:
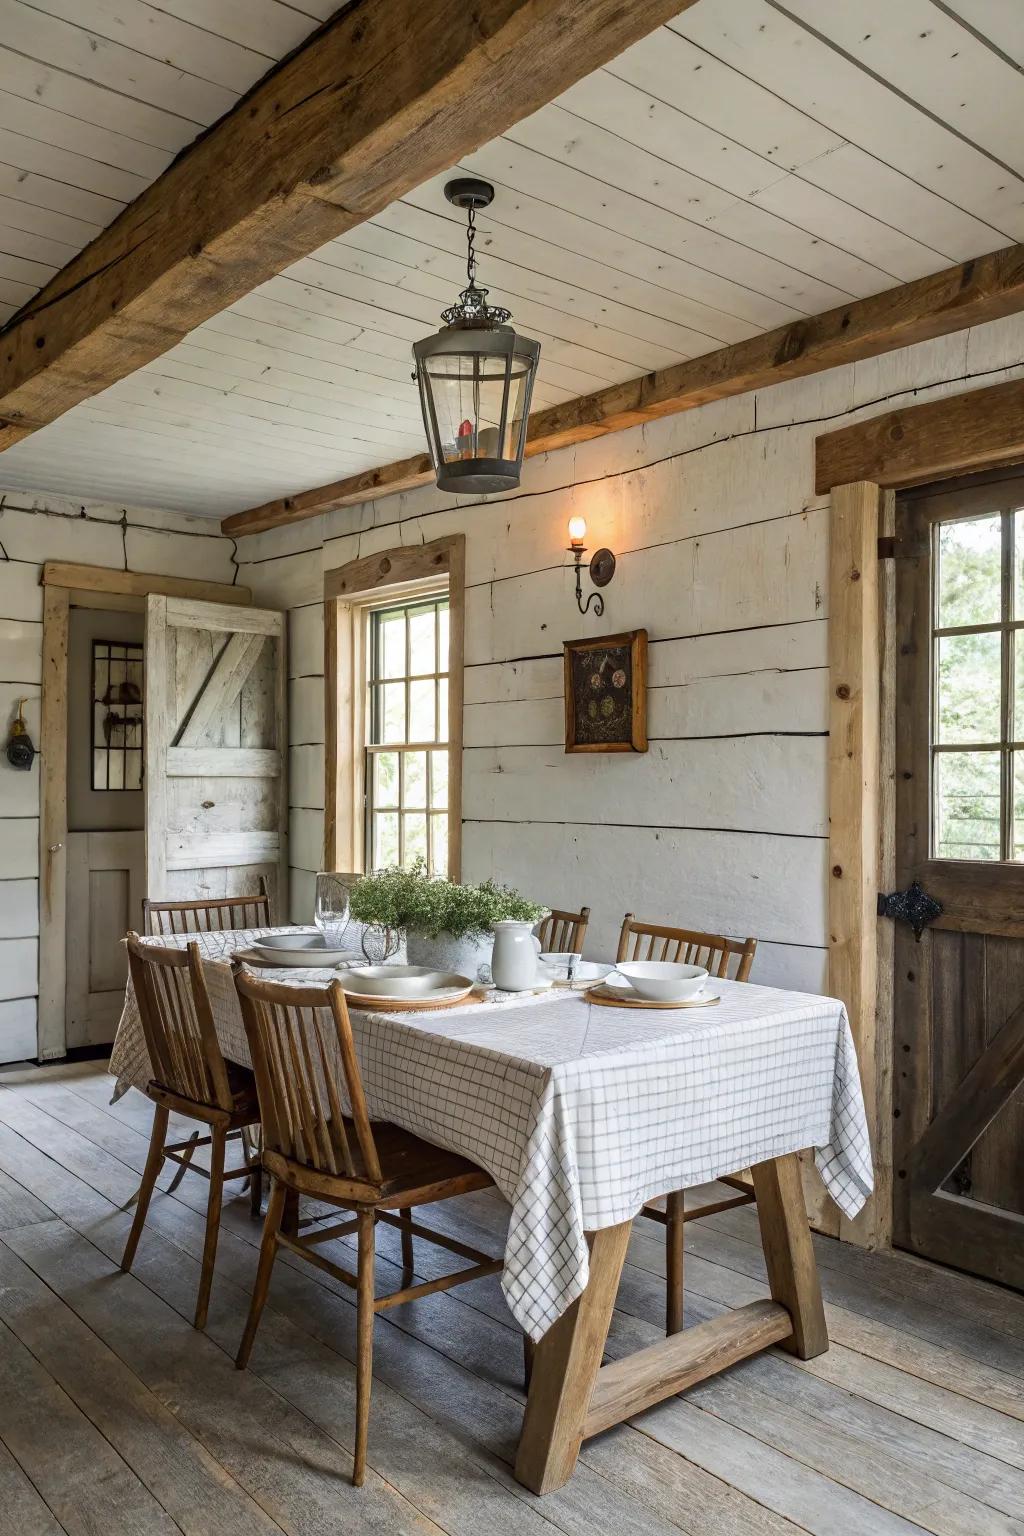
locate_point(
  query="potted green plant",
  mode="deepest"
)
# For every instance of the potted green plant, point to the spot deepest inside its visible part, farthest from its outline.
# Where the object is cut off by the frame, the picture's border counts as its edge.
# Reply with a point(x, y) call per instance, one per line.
point(447, 926)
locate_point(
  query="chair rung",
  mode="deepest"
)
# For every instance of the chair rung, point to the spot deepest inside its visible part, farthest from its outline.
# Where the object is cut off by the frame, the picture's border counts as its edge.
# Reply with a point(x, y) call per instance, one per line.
point(296, 1245)
point(342, 1229)
point(710, 1209)
point(180, 1146)
point(443, 1283)
point(440, 1239)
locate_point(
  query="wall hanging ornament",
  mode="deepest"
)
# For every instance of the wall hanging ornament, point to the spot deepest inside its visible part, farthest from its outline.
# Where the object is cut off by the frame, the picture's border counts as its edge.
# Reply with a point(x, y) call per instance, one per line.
point(475, 378)
point(20, 750)
point(606, 693)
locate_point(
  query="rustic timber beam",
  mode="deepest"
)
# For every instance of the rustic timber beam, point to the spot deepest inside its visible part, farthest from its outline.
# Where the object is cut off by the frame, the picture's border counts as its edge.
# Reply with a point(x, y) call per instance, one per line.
point(981, 429)
point(385, 95)
point(984, 289)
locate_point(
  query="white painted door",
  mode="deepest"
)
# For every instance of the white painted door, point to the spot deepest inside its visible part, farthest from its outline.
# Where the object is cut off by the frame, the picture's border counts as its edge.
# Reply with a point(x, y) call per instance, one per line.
point(104, 901)
point(215, 750)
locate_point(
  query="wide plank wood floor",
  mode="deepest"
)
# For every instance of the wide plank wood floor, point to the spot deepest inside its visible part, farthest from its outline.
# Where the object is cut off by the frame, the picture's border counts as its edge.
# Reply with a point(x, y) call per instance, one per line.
point(115, 1416)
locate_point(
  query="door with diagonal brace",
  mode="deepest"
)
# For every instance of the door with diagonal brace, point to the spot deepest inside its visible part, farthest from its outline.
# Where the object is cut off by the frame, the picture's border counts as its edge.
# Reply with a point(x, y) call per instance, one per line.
point(959, 990)
point(215, 750)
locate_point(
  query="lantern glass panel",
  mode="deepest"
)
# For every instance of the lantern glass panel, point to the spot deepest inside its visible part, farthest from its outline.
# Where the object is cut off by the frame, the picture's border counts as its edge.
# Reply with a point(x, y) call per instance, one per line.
point(468, 392)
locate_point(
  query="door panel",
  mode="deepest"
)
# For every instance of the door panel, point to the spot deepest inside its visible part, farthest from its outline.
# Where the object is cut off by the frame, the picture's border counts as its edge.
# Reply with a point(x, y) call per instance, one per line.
point(104, 901)
point(216, 750)
point(959, 992)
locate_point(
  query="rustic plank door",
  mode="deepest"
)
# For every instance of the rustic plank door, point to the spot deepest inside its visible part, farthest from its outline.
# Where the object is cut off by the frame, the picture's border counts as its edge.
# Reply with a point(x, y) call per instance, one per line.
point(959, 991)
point(215, 750)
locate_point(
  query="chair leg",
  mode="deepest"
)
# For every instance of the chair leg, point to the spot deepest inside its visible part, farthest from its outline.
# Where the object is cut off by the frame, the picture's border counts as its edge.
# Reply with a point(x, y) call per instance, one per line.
point(218, 1140)
point(154, 1163)
point(268, 1253)
point(529, 1352)
point(675, 1230)
point(407, 1259)
point(364, 1357)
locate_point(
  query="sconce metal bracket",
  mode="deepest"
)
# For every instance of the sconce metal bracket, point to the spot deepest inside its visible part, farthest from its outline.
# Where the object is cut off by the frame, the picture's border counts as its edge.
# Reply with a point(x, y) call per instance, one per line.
point(602, 569)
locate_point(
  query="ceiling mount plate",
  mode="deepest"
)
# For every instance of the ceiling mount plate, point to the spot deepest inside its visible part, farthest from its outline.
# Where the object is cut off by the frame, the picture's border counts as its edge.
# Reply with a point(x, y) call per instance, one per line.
point(469, 192)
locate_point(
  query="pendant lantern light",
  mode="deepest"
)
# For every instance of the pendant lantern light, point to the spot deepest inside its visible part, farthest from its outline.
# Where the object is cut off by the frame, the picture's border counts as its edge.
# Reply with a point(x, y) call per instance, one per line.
point(475, 378)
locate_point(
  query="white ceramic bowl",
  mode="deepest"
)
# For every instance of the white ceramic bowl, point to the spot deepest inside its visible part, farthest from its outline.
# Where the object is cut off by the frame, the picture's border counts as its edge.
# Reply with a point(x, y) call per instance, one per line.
point(395, 980)
point(305, 949)
point(663, 981)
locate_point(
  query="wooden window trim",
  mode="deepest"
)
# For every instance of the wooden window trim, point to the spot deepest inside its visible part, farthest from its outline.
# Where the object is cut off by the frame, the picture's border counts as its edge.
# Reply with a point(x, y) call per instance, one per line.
point(350, 591)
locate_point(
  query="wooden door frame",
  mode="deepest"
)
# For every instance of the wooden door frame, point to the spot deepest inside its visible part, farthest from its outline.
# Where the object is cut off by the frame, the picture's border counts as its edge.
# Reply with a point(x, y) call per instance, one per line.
point(94, 586)
point(862, 466)
point(348, 591)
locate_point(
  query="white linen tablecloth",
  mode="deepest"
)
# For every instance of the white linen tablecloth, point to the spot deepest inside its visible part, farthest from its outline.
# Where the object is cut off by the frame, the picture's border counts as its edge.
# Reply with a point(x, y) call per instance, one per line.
point(582, 1113)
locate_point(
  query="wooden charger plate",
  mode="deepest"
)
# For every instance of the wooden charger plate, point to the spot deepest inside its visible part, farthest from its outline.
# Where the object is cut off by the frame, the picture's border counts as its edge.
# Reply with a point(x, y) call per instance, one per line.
point(603, 1000)
point(370, 1004)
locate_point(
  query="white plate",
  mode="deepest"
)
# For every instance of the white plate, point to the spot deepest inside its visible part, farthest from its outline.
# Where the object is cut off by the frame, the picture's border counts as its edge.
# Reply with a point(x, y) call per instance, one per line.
point(313, 953)
point(399, 980)
point(616, 987)
point(450, 988)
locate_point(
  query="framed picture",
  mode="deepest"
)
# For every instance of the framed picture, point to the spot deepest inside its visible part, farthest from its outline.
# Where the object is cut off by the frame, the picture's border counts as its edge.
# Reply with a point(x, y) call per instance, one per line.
point(606, 693)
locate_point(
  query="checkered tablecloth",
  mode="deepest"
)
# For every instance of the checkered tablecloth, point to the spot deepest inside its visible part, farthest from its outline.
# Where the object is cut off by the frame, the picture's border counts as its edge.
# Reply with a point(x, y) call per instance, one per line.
point(582, 1113)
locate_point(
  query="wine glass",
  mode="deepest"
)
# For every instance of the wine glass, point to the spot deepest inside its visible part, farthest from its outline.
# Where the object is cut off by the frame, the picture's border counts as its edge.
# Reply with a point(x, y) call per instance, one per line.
point(331, 913)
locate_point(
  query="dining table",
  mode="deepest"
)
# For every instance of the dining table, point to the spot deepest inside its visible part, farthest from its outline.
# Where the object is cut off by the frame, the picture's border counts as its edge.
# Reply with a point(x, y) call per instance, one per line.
point(582, 1114)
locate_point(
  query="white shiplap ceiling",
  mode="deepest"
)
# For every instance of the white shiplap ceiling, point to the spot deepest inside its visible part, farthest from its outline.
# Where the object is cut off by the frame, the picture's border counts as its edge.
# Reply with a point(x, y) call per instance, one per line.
point(751, 163)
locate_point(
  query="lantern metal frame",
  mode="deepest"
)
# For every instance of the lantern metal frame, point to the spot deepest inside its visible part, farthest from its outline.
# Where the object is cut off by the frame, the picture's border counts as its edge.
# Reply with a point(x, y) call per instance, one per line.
point(477, 331)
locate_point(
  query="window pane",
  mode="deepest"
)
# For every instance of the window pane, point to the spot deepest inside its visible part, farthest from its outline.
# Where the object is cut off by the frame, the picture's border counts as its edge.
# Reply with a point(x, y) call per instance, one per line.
point(415, 838)
point(968, 688)
point(1017, 723)
point(385, 839)
point(391, 644)
point(415, 764)
point(438, 779)
point(391, 712)
point(385, 779)
point(442, 705)
point(421, 639)
point(439, 845)
point(421, 710)
point(969, 575)
point(442, 638)
point(967, 805)
point(1018, 805)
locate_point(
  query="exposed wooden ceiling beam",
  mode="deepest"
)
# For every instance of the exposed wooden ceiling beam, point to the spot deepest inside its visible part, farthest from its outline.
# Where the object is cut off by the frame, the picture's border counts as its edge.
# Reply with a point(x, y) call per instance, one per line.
point(981, 429)
point(986, 288)
point(384, 96)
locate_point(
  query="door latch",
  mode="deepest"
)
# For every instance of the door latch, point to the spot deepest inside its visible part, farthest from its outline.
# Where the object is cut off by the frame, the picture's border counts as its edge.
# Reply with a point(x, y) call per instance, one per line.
point(913, 906)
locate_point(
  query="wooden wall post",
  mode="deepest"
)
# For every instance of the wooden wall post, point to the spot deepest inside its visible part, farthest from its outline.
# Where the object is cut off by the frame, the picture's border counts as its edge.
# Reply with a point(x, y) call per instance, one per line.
point(853, 758)
point(53, 825)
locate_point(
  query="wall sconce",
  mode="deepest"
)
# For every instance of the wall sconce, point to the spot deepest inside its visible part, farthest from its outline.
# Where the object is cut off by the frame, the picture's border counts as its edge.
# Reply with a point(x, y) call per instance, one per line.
point(602, 566)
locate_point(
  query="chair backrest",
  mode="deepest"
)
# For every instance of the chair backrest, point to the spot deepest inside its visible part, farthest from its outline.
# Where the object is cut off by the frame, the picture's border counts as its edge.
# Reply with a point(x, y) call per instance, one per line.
point(162, 918)
point(654, 941)
point(303, 1055)
point(177, 1021)
point(564, 932)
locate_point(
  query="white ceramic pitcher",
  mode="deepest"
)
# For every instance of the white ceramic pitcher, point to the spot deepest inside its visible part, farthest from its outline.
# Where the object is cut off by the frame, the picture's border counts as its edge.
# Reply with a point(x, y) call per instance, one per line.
point(514, 961)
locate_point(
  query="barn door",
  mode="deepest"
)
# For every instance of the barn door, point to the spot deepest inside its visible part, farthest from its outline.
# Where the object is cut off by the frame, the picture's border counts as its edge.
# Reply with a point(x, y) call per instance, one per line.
point(959, 993)
point(215, 750)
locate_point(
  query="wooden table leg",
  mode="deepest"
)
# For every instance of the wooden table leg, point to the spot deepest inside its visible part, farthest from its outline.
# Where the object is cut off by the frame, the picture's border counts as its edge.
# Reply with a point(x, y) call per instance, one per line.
point(565, 1367)
point(789, 1253)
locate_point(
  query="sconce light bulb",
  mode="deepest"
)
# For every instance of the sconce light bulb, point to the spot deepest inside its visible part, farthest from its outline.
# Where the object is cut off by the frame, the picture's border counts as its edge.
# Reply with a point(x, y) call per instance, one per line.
point(577, 530)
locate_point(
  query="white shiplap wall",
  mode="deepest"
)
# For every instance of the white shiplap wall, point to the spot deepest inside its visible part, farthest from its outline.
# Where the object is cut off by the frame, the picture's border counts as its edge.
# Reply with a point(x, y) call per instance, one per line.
point(722, 547)
point(749, 164)
point(34, 529)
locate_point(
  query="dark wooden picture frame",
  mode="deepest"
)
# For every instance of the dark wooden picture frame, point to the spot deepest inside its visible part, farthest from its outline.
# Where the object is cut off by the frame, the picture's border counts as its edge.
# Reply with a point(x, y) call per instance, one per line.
point(606, 693)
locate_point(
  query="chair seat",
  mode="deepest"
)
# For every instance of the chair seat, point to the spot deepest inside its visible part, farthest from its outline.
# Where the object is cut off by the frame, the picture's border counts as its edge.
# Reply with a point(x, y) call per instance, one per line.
point(245, 1107)
point(413, 1171)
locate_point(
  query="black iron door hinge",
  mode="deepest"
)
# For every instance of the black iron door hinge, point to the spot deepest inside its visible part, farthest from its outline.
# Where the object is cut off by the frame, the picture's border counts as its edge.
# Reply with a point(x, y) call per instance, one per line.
point(913, 906)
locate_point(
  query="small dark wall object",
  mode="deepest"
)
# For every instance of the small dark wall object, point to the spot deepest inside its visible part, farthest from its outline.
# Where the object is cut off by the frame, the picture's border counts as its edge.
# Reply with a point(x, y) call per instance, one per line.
point(913, 906)
point(20, 750)
point(606, 693)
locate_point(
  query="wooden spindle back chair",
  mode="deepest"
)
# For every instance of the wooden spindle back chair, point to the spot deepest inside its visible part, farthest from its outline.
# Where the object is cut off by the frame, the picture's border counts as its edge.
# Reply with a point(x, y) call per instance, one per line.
point(564, 932)
point(163, 919)
point(724, 959)
point(319, 1141)
point(191, 1078)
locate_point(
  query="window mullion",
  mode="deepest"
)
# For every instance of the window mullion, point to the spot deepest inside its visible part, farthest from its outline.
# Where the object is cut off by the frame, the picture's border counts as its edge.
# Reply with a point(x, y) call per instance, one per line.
point(1006, 691)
